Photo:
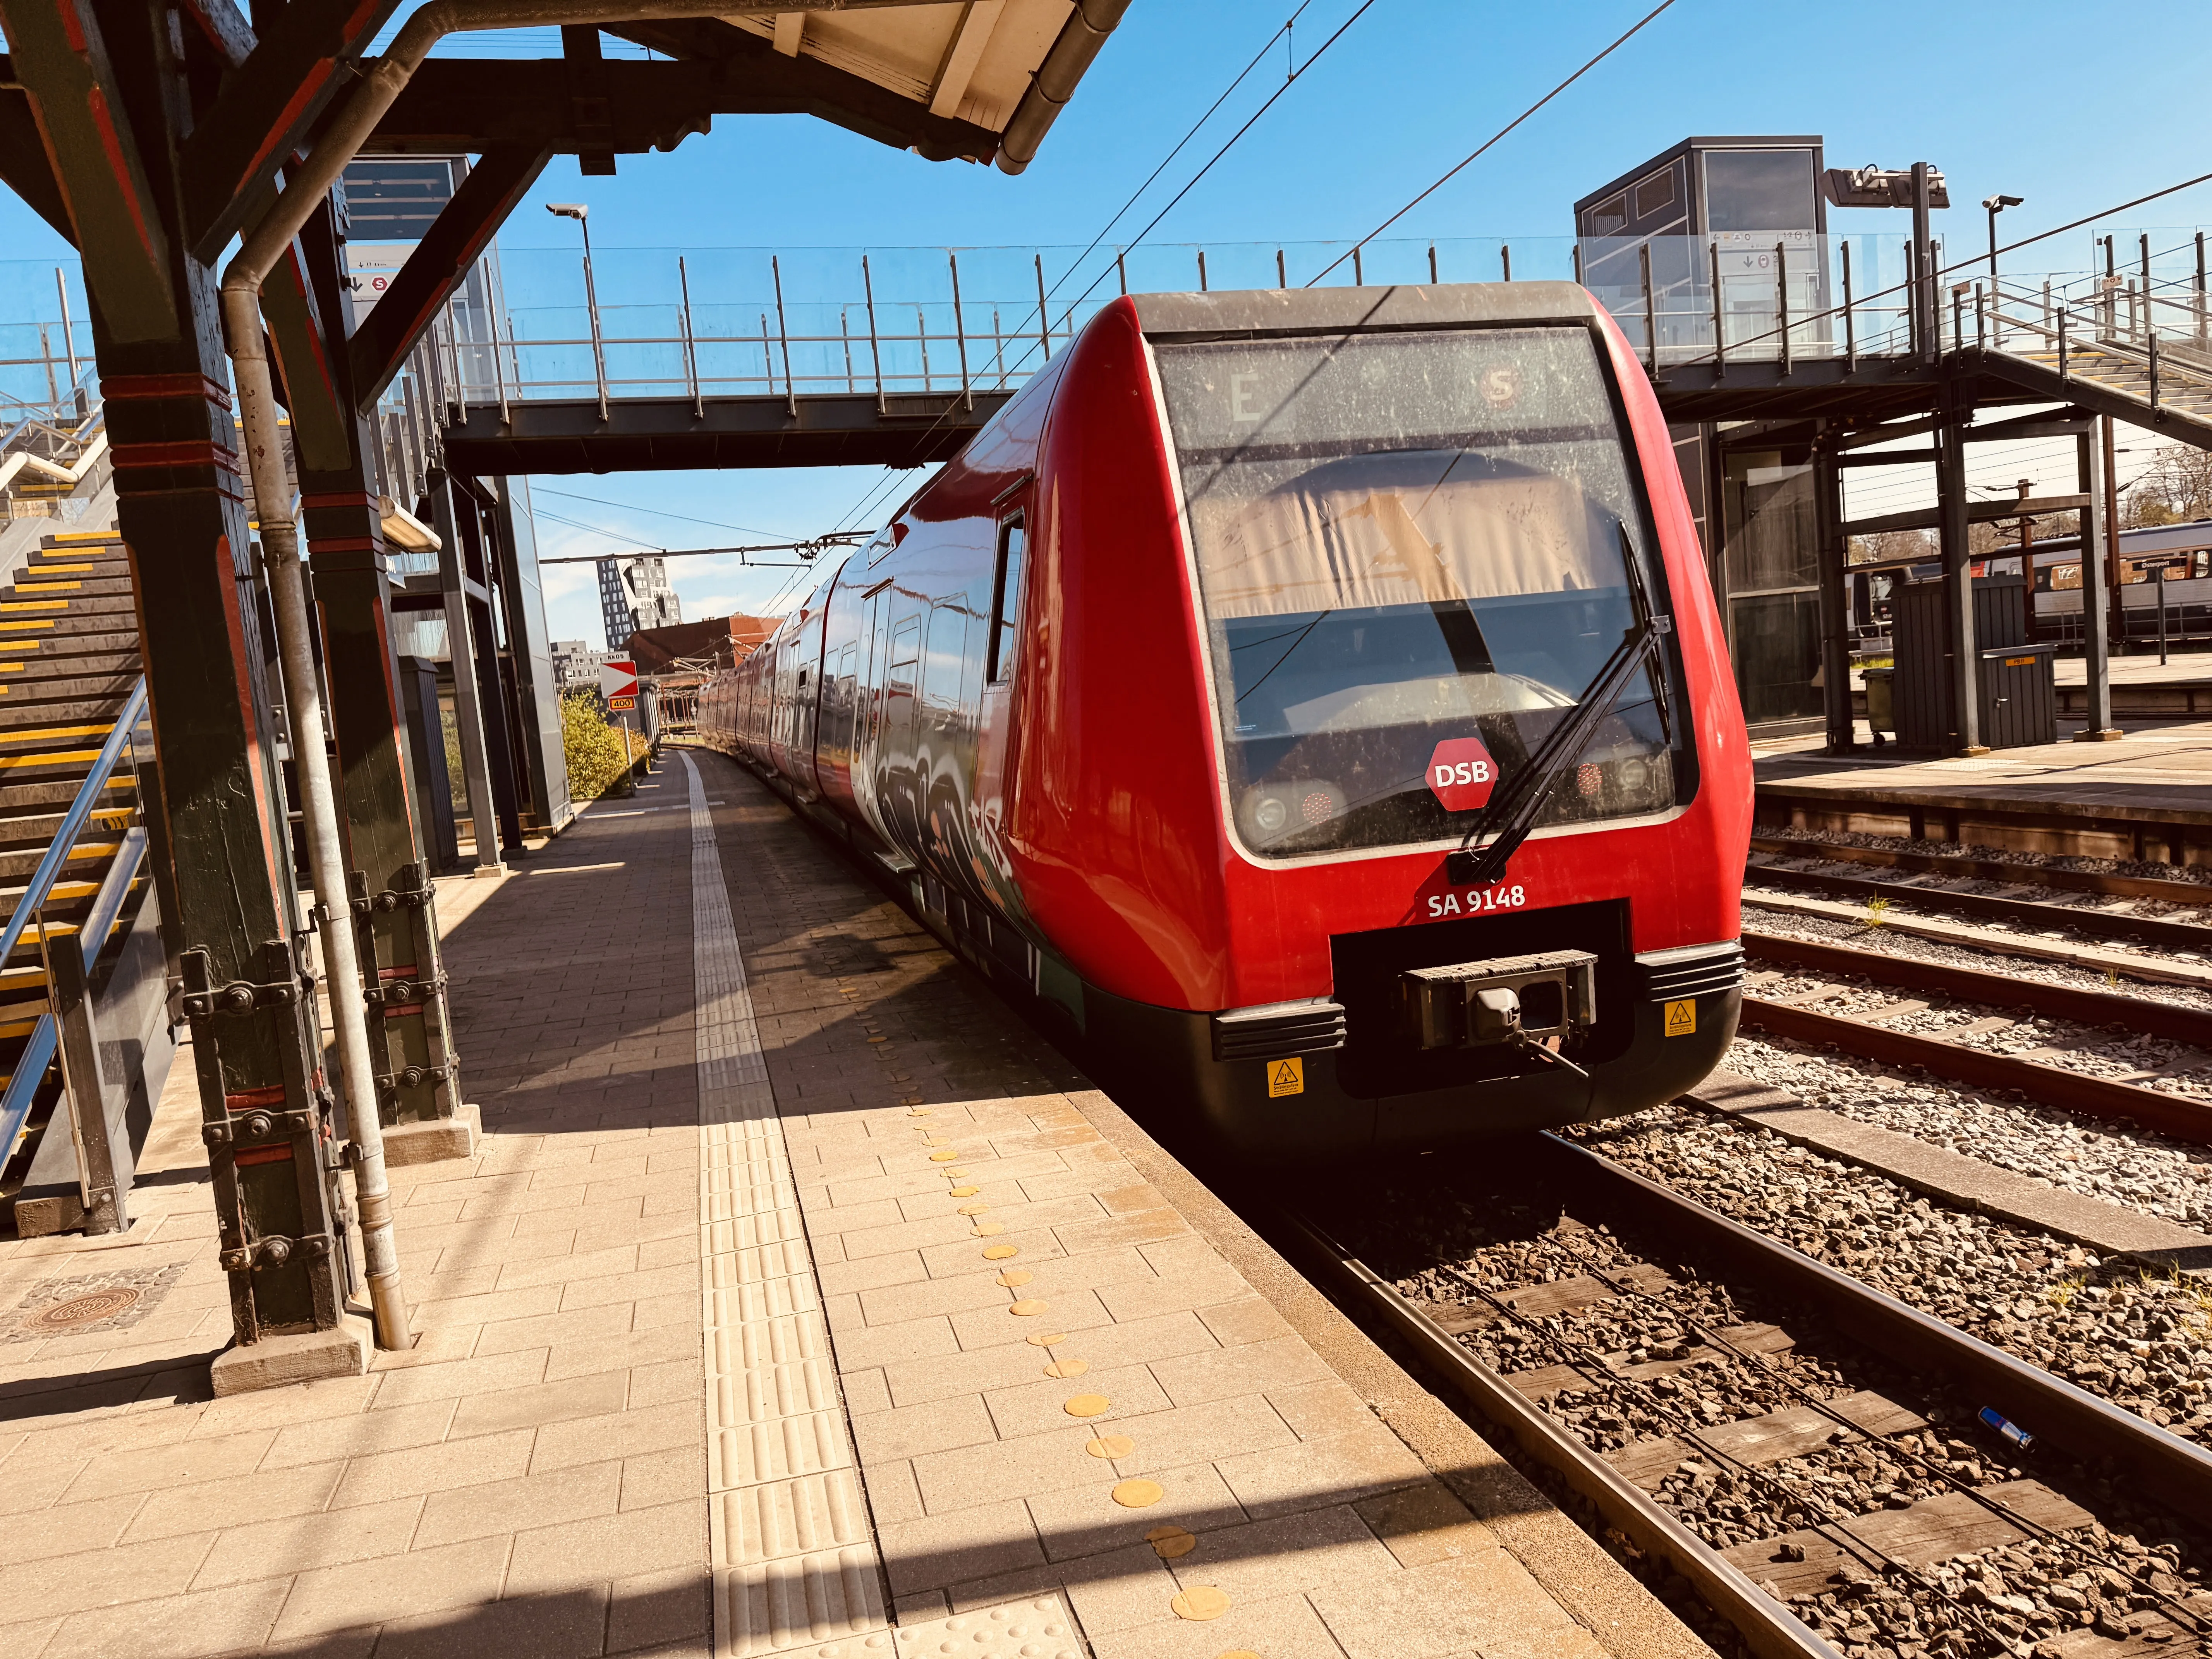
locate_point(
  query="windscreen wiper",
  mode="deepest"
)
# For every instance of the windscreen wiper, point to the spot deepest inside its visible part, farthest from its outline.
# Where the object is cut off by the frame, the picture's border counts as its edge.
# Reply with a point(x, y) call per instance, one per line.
point(1513, 811)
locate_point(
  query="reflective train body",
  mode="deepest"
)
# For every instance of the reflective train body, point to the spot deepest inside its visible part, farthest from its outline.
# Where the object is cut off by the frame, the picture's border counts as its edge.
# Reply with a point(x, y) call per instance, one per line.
point(1188, 697)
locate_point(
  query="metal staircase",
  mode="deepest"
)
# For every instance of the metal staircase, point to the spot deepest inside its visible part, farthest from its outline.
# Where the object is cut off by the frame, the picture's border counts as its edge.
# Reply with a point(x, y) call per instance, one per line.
point(51, 453)
point(79, 934)
point(2114, 347)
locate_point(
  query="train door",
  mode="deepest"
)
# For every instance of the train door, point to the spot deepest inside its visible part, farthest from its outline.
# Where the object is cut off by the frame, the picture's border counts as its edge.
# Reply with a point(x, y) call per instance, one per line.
point(994, 737)
point(868, 770)
point(901, 733)
point(943, 720)
point(834, 753)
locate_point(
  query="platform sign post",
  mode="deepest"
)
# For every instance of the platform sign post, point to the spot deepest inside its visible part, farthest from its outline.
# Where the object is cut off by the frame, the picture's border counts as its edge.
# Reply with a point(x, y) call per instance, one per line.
point(618, 685)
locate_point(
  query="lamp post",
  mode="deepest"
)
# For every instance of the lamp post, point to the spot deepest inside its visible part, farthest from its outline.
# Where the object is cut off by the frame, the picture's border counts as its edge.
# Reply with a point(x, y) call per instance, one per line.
point(1997, 204)
point(580, 211)
point(1920, 187)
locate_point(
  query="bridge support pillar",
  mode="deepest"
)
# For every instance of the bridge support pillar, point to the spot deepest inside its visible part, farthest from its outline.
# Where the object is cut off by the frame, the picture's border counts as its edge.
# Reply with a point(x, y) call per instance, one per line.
point(468, 711)
point(1958, 643)
point(102, 79)
point(1829, 550)
point(418, 1086)
point(2096, 596)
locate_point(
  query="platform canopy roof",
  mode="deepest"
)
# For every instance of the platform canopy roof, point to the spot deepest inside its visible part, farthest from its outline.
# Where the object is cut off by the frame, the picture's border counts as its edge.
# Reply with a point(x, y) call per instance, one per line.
point(977, 61)
point(973, 80)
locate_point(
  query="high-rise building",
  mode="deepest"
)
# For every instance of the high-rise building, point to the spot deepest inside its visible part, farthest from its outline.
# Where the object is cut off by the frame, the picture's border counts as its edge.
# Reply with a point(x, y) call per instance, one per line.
point(634, 593)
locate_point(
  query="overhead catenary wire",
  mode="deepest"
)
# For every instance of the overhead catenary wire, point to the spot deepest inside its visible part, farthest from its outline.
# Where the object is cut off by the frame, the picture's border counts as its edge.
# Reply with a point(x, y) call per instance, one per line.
point(1494, 138)
point(655, 512)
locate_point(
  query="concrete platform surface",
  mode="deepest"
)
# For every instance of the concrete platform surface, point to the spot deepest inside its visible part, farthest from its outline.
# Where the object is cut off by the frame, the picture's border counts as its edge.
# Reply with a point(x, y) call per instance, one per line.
point(797, 1299)
point(2148, 795)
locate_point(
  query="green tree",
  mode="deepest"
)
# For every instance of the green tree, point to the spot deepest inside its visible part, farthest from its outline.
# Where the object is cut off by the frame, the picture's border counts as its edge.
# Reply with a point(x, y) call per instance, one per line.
point(592, 746)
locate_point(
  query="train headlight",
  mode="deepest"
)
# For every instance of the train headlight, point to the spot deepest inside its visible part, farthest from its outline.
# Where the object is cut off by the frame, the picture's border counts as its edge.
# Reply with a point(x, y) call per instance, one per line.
point(1635, 775)
point(1270, 812)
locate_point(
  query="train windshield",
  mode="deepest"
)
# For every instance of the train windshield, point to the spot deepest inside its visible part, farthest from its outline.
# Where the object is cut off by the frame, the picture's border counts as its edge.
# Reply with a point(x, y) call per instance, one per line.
point(1411, 554)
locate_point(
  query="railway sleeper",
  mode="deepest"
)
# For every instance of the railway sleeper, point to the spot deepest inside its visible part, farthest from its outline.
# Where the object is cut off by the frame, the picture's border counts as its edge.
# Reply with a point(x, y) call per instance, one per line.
point(1806, 1563)
point(1924, 1534)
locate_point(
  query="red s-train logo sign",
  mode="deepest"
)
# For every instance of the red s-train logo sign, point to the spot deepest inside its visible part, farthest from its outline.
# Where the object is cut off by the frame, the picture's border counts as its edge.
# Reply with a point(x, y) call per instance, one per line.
point(1461, 773)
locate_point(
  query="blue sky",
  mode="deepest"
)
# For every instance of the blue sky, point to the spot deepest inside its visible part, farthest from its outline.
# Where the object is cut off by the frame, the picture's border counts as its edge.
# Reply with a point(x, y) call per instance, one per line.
point(1412, 87)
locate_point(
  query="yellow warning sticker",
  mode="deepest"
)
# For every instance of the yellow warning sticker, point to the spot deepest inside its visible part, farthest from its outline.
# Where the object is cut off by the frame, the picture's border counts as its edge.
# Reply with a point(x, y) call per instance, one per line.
point(1682, 1018)
point(1285, 1077)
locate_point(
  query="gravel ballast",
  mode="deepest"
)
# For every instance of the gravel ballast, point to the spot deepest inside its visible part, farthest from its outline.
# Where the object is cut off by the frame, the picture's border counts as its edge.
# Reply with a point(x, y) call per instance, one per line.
point(2136, 1338)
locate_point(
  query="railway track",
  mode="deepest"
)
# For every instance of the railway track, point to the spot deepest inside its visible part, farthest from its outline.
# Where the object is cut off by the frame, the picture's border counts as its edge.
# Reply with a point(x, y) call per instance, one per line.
point(1948, 1056)
point(1957, 867)
point(2017, 905)
point(1682, 1480)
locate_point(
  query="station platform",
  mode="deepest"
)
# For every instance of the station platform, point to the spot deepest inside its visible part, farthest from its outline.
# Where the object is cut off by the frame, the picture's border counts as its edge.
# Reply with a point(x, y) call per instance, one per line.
point(799, 1299)
point(2147, 795)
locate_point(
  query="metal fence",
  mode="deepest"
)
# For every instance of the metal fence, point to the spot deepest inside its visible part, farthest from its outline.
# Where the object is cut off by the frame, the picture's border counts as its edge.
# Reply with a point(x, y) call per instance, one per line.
point(900, 321)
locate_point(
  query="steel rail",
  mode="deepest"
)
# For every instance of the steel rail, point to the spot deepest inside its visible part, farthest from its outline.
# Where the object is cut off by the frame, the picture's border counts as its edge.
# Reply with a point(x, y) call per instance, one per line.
point(2027, 912)
point(2170, 1468)
point(1945, 864)
point(1768, 1629)
point(2046, 1085)
point(2165, 1019)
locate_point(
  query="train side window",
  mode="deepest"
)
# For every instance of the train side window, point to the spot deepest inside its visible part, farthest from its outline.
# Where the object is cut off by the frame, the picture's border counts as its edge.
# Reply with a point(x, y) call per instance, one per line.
point(1006, 600)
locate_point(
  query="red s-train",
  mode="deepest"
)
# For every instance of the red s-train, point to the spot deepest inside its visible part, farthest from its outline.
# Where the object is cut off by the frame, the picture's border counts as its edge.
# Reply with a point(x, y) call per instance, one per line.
point(1316, 695)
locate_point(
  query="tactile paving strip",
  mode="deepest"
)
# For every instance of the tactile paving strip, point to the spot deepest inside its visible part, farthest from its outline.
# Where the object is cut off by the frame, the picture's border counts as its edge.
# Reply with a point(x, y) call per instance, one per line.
point(792, 1553)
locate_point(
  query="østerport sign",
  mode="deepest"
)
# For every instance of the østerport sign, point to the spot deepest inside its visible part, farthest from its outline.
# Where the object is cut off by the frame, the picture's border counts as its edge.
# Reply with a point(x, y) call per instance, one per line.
point(618, 684)
point(1462, 775)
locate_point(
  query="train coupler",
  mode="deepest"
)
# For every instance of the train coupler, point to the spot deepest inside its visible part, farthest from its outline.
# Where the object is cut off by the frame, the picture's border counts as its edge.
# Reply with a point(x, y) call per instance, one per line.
point(1517, 1001)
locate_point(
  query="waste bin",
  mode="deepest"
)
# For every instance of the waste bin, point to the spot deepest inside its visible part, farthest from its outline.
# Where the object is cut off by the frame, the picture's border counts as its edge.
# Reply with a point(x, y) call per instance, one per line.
point(2016, 706)
point(2019, 697)
point(1880, 718)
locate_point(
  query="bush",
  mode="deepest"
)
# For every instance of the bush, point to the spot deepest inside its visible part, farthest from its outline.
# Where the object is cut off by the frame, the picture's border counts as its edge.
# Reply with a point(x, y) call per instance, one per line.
point(593, 746)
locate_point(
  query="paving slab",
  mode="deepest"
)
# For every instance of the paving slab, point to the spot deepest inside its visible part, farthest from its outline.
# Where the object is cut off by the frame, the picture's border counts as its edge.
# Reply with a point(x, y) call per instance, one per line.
point(1047, 1372)
point(711, 1361)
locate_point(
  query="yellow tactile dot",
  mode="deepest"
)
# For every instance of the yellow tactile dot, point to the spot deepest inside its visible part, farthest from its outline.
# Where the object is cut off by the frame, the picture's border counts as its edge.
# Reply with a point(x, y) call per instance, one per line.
point(1028, 1309)
point(1088, 1405)
point(1067, 1368)
point(1239, 1653)
point(1045, 1339)
point(944, 1157)
point(954, 1174)
point(972, 1209)
point(917, 1111)
point(985, 1229)
point(1139, 1494)
point(965, 1192)
point(1110, 1445)
point(1169, 1542)
point(1014, 1277)
point(1002, 1252)
point(1199, 1601)
point(878, 1039)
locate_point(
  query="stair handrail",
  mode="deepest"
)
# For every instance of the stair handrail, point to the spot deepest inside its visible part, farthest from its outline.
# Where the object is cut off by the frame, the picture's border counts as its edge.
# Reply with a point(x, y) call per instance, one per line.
point(42, 879)
point(2018, 310)
point(39, 1050)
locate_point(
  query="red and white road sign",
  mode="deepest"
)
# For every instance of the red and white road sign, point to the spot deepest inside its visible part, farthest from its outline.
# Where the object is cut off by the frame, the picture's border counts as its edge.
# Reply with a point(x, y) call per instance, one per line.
point(619, 678)
point(1461, 773)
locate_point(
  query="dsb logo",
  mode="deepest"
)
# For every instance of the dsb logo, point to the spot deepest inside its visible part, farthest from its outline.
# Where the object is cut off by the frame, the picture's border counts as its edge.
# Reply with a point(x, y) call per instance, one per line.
point(1461, 773)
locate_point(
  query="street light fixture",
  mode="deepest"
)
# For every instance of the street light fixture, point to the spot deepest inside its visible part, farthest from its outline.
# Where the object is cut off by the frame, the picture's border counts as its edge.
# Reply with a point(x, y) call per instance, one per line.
point(1997, 204)
point(580, 212)
point(1919, 187)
